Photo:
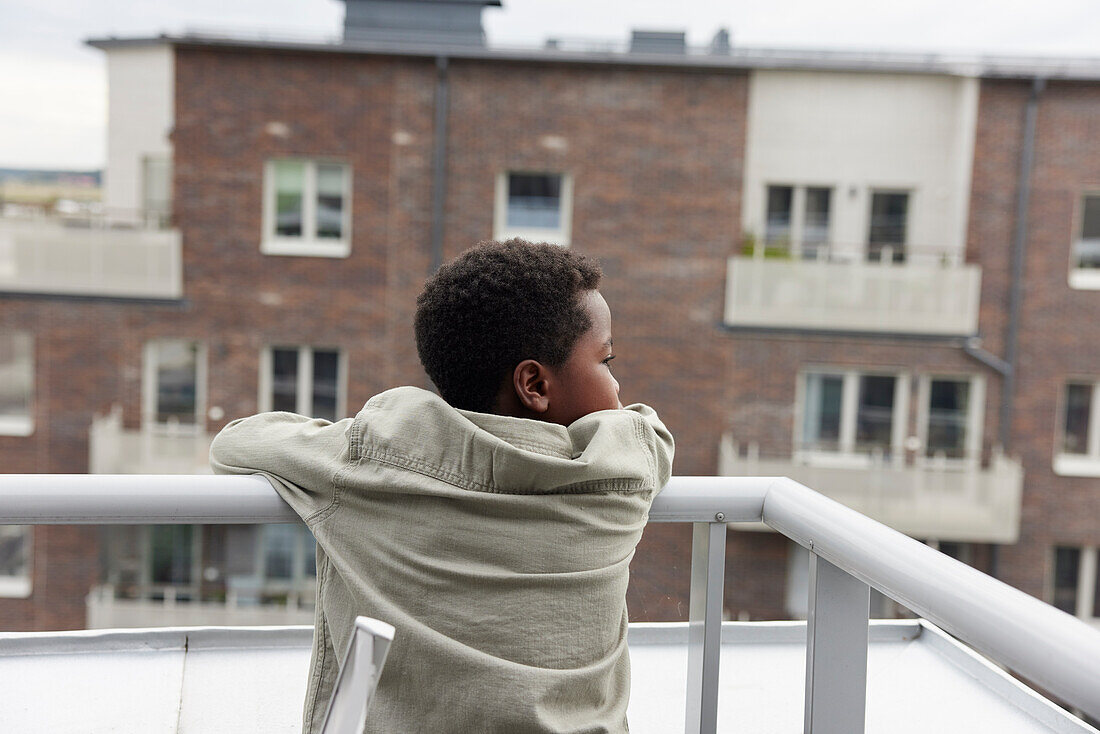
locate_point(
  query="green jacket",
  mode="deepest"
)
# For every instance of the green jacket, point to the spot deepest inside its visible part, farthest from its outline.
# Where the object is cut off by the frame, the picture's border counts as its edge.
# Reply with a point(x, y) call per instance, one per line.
point(498, 548)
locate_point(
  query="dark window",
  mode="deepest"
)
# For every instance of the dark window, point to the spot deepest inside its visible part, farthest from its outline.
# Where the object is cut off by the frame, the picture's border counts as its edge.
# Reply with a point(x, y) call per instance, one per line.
point(777, 226)
point(284, 380)
point(290, 182)
point(948, 409)
point(171, 553)
point(1067, 562)
point(821, 425)
point(875, 414)
point(889, 219)
point(177, 382)
point(534, 200)
point(1087, 248)
point(815, 225)
point(325, 380)
point(1078, 403)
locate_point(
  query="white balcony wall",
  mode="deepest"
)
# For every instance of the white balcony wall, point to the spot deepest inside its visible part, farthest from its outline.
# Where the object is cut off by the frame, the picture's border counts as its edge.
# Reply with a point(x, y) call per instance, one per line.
point(113, 449)
point(46, 256)
point(964, 503)
point(140, 114)
point(853, 295)
point(858, 132)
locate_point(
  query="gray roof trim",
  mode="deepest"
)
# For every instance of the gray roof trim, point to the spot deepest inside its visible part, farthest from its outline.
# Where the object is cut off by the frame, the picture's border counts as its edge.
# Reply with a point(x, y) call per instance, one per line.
point(738, 59)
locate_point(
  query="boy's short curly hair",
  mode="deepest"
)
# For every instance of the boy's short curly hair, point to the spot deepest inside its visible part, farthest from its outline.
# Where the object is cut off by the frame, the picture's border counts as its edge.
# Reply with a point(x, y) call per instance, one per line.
point(494, 306)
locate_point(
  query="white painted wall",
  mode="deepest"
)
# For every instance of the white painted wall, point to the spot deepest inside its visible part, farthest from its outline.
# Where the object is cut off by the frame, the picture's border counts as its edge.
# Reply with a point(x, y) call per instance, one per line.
point(140, 113)
point(856, 132)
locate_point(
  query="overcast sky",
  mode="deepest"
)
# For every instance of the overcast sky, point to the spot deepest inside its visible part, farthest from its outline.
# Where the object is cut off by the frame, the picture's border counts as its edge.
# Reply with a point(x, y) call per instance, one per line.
point(53, 89)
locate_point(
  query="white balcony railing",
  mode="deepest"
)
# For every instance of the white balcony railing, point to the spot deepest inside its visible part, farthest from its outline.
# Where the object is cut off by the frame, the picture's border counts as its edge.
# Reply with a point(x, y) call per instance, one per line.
point(921, 296)
point(52, 256)
point(942, 499)
point(849, 553)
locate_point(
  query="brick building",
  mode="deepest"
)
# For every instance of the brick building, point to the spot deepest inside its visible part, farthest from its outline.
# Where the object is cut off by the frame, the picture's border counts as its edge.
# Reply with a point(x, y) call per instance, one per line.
point(809, 258)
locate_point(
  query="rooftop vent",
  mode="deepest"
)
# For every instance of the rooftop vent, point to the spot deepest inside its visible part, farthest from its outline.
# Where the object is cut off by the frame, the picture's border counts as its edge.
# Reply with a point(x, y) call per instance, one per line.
point(658, 42)
point(720, 44)
point(446, 22)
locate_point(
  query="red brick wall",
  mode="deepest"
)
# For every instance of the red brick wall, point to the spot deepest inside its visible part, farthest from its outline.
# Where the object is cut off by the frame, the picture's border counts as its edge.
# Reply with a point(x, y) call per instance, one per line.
point(1059, 328)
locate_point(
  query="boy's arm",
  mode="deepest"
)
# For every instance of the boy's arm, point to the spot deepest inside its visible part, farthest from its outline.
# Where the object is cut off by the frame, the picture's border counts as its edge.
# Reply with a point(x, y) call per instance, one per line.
point(660, 442)
point(300, 456)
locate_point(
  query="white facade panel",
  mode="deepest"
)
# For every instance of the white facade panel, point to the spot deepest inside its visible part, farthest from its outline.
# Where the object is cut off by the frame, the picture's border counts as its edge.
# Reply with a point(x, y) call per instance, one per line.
point(856, 133)
point(140, 114)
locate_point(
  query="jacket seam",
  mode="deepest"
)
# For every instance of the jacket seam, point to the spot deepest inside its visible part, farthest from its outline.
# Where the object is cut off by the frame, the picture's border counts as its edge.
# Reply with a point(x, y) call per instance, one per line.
point(457, 480)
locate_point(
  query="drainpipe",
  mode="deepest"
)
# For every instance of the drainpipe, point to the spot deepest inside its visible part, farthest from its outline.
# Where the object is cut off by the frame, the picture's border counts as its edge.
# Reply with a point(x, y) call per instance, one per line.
point(1019, 241)
point(439, 162)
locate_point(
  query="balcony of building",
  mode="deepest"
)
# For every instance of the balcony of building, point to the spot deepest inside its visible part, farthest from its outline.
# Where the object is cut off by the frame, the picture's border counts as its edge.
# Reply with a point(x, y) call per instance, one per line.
point(837, 672)
point(90, 253)
point(966, 499)
point(890, 289)
point(161, 448)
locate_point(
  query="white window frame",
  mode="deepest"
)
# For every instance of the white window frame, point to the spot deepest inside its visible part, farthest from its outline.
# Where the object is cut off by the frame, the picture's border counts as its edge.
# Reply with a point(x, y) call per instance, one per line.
point(847, 455)
point(303, 396)
point(561, 235)
point(149, 388)
point(308, 244)
point(1088, 463)
point(21, 425)
point(1086, 581)
point(975, 415)
point(797, 232)
point(1082, 278)
point(20, 587)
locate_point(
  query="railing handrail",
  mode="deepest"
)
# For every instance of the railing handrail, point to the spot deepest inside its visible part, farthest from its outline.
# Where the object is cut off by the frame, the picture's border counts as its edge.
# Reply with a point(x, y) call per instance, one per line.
point(1045, 645)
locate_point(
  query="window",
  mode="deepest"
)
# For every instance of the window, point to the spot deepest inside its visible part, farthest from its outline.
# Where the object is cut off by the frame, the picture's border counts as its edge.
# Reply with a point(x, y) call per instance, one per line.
point(1078, 449)
point(288, 561)
point(15, 560)
point(1085, 272)
point(534, 206)
point(798, 218)
point(304, 380)
point(887, 233)
point(852, 413)
point(16, 384)
point(1075, 587)
point(950, 417)
point(174, 383)
point(156, 189)
point(307, 208)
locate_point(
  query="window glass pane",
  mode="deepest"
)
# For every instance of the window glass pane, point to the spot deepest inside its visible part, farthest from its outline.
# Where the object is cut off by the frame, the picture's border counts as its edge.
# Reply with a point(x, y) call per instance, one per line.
point(821, 425)
point(171, 553)
point(1075, 438)
point(534, 200)
point(889, 214)
point(284, 380)
point(777, 224)
point(1066, 564)
point(815, 225)
point(177, 382)
point(290, 178)
point(875, 414)
point(16, 375)
point(279, 543)
point(330, 201)
point(1087, 249)
point(325, 378)
point(156, 180)
point(948, 409)
point(1096, 590)
point(309, 558)
point(15, 551)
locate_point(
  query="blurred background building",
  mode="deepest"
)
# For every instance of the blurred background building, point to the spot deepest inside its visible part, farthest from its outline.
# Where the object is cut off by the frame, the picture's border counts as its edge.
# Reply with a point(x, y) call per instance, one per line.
point(877, 274)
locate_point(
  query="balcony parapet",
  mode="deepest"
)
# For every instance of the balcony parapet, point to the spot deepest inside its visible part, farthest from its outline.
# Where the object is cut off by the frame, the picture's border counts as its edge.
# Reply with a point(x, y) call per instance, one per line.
point(955, 500)
point(91, 256)
point(928, 293)
point(160, 449)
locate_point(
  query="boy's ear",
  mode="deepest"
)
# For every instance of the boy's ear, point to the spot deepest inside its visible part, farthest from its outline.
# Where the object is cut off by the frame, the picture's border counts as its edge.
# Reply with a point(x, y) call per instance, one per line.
point(532, 385)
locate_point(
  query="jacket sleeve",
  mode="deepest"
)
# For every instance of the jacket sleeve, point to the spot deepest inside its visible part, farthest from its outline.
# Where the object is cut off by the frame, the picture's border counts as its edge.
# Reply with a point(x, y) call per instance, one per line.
point(300, 456)
point(659, 442)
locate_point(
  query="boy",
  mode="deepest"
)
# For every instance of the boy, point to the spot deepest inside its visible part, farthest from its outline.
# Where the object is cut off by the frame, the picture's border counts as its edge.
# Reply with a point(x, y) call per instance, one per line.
point(492, 525)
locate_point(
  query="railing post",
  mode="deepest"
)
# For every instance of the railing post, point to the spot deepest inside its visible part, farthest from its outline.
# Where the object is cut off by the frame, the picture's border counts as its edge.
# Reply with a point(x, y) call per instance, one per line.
point(836, 650)
point(708, 566)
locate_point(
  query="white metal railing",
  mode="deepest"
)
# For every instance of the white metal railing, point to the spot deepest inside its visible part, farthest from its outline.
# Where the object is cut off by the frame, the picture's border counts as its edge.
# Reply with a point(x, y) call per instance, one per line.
point(849, 554)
